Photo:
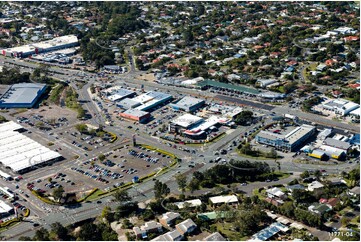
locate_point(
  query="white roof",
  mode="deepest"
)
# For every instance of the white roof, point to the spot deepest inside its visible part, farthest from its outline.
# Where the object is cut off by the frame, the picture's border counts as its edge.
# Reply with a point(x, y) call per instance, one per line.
point(191, 203)
point(19, 151)
point(5, 208)
point(59, 41)
point(233, 112)
point(314, 185)
point(224, 199)
point(356, 111)
point(186, 120)
point(5, 175)
point(275, 191)
point(211, 121)
point(192, 81)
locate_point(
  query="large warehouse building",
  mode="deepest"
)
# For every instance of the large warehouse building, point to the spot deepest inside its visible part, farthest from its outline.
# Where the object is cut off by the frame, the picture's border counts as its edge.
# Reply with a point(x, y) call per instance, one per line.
point(58, 43)
point(341, 106)
point(119, 94)
point(22, 95)
point(136, 115)
point(19, 152)
point(151, 100)
point(188, 104)
point(290, 141)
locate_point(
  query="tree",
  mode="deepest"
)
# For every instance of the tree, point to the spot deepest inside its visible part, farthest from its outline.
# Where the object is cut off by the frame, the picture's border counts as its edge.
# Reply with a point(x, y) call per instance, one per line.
point(107, 214)
point(25, 238)
point(58, 232)
point(318, 174)
point(81, 112)
point(182, 182)
point(89, 232)
point(58, 193)
point(101, 157)
point(244, 117)
point(82, 128)
point(193, 185)
point(272, 153)
point(107, 233)
point(122, 196)
point(41, 235)
point(2, 119)
point(160, 189)
point(305, 174)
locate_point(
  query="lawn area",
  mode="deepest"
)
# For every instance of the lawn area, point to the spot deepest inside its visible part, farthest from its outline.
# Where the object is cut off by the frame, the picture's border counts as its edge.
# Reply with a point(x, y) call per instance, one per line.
point(345, 210)
point(95, 195)
point(281, 175)
point(253, 157)
point(229, 232)
point(355, 220)
point(261, 194)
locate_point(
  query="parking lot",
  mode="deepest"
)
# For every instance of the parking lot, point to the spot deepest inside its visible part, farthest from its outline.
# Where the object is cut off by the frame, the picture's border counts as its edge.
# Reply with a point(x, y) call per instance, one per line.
point(119, 167)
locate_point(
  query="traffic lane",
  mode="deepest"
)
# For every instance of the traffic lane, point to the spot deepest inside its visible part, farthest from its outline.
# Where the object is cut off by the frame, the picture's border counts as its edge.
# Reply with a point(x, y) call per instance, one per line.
point(317, 119)
point(244, 102)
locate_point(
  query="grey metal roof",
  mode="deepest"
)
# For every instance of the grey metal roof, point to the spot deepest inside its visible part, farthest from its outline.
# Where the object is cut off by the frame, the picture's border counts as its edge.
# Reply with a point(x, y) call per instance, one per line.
point(188, 102)
point(215, 237)
point(22, 93)
point(337, 143)
point(135, 112)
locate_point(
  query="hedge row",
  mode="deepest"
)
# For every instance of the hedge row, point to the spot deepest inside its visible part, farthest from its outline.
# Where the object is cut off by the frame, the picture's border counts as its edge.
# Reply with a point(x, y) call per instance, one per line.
point(44, 199)
point(114, 137)
point(27, 212)
point(7, 223)
point(90, 193)
point(177, 141)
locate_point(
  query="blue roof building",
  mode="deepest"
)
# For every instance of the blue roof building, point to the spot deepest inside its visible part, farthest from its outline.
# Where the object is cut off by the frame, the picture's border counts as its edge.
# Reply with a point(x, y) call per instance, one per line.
point(22, 95)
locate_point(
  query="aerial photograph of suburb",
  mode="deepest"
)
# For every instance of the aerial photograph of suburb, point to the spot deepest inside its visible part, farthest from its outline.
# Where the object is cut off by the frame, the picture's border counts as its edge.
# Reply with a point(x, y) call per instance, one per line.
point(180, 120)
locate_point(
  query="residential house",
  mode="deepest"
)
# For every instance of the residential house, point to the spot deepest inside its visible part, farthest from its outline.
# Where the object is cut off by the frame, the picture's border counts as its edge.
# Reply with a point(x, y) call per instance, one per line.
point(276, 193)
point(335, 181)
point(332, 202)
point(295, 187)
point(186, 227)
point(215, 237)
point(168, 219)
point(319, 208)
point(230, 199)
point(174, 235)
point(276, 202)
point(148, 227)
point(189, 203)
point(354, 191)
point(315, 185)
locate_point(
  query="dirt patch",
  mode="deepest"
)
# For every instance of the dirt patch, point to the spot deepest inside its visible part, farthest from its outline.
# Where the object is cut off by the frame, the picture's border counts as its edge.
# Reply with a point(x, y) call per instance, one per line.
point(146, 77)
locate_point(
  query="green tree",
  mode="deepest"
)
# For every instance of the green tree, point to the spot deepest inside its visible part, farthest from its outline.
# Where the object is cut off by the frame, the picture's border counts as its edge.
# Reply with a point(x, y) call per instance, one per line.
point(58, 232)
point(193, 185)
point(318, 174)
point(41, 234)
point(82, 128)
point(25, 238)
point(107, 233)
point(182, 182)
point(122, 196)
point(89, 232)
point(160, 189)
point(244, 117)
point(58, 193)
point(101, 157)
point(305, 174)
point(107, 214)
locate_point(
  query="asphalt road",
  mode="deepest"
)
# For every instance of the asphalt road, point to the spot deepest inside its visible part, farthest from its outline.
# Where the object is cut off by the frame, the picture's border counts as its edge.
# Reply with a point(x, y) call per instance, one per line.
point(244, 102)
